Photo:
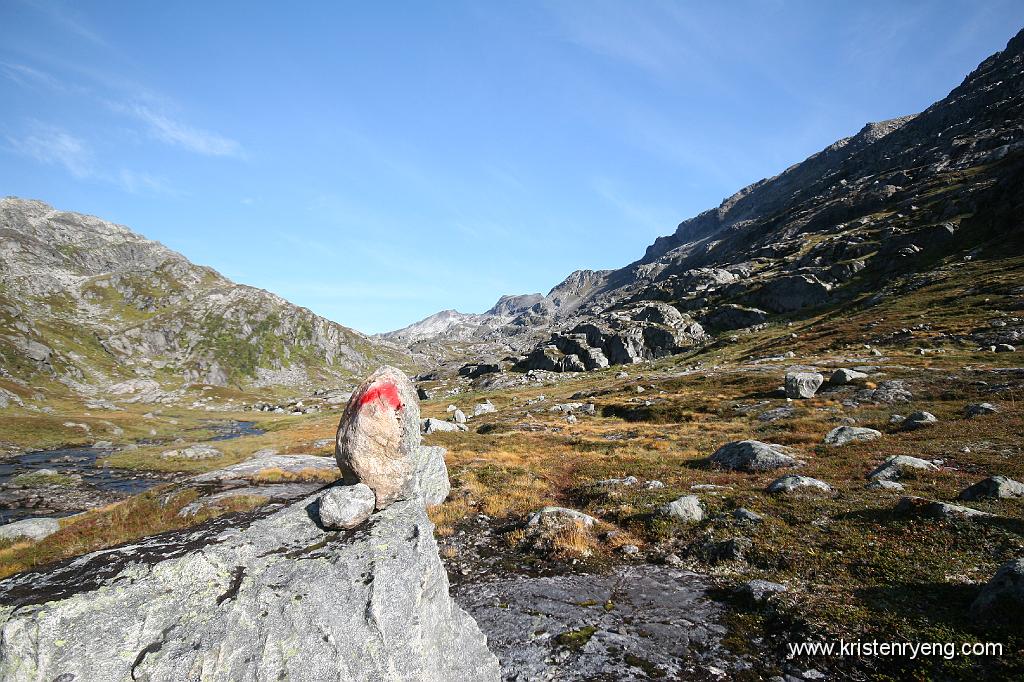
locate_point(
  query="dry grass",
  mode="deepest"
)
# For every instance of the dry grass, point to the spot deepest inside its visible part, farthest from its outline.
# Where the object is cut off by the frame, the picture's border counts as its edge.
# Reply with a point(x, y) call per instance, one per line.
point(306, 475)
point(151, 512)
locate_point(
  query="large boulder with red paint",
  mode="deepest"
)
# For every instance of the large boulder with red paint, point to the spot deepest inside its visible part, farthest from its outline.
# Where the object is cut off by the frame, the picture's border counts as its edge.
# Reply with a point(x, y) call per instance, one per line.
point(378, 442)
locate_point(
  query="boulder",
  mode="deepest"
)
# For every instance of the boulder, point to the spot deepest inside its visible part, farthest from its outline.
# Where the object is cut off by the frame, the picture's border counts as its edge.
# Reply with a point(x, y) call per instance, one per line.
point(432, 476)
point(458, 416)
point(753, 455)
point(278, 599)
point(1005, 589)
point(803, 384)
point(897, 465)
point(979, 409)
point(842, 377)
point(343, 507)
point(1005, 348)
point(686, 508)
point(917, 420)
point(792, 483)
point(993, 487)
point(378, 440)
point(841, 435)
point(33, 529)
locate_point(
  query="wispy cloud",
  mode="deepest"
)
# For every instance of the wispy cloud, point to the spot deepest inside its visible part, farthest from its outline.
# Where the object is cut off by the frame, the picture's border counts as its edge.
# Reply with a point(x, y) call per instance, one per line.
point(54, 146)
point(173, 132)
point(69, 19)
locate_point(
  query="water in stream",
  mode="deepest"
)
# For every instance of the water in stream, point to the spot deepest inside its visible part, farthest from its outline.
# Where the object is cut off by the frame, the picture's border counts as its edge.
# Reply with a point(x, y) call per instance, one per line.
point(106, 480)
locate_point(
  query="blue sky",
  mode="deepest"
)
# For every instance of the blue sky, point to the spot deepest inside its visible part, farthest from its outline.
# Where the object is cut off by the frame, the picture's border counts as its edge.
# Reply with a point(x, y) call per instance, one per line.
point(378, 162)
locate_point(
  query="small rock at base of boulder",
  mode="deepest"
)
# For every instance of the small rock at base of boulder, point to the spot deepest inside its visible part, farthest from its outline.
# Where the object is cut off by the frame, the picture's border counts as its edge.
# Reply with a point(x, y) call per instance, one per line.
point(978, 409)
point(793, 483)
point(842, 435)
point(1006, 588)
point(33, 529)
point(346, 507)
point(686, 508)
point(753, 455)
point(803, 384)
point(993, 486)
point(919, 419)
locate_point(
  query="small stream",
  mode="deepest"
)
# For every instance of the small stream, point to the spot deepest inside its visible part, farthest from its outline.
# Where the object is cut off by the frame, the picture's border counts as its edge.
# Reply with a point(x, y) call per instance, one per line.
point(105, 481)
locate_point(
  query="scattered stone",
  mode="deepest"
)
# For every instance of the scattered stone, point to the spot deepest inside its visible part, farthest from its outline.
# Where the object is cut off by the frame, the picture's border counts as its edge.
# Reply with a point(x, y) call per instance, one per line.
point(570, 419)
point(978, 409)
point(842, 435)
point(654, 485)
point(451, 408)
point(431, 425)
point(686, 508)
point(896, 465)
point(792, 483)
point(753, 455)
point(321, 443)
point(343, 507)
point(630, 550)
point(1005, 589)
point(884, 484)
point(803, 384)
point(622, 375)
point(744, 514)
point(33, 529)
point(842, 377)
point(942, 510)
point(459, 417)
point(1004, 348)
point(628, 480)
point(759, 591)
point(888, 392)
point(920, 419)
point(555, 516)
point(486, 407)
point(192, 452)
point(775, 414)
point(999, 487)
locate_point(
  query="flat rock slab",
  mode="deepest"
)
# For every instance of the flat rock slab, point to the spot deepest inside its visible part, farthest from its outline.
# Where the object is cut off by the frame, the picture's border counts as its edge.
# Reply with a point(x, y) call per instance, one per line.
point(634, 623)
point(279, 599)
point(290, 464)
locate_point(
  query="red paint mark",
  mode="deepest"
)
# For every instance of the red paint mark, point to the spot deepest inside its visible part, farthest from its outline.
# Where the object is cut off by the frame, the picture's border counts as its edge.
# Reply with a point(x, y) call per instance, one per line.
point(387, 392)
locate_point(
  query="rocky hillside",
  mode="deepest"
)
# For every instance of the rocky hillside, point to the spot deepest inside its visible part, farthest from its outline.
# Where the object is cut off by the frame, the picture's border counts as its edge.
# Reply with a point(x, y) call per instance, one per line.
point(88, 303)
point(858, 221)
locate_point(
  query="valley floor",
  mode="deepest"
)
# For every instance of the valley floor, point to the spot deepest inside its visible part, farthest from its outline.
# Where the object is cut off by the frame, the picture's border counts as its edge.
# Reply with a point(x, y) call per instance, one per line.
point(638, 593)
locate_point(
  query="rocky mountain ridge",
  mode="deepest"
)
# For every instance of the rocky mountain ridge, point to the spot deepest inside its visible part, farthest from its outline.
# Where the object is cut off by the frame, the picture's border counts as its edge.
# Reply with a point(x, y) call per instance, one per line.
point(88, 303)
point(859, 218)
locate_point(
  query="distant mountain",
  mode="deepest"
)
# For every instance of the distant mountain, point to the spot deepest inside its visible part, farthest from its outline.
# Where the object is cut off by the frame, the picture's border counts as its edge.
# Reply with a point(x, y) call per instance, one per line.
point(849, 220)
point(88, 303)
